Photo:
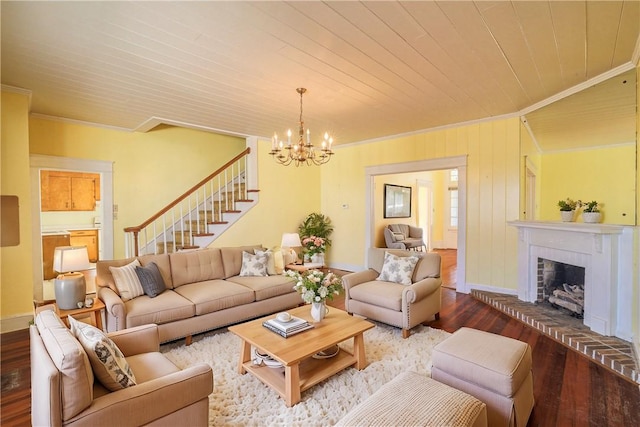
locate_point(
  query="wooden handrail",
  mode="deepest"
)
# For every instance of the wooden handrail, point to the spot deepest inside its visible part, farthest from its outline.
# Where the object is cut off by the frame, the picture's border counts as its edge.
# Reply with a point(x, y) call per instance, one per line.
point(137, 229)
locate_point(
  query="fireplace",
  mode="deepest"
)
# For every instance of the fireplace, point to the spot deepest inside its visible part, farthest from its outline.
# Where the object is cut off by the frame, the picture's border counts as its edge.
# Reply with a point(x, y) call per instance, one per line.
point(605, 254)
point(561, 286)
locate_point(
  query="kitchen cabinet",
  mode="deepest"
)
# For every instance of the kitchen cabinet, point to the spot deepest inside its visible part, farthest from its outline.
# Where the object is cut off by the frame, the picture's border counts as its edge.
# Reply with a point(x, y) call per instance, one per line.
point(88, 238)
point(69, 191)
point(49, 244)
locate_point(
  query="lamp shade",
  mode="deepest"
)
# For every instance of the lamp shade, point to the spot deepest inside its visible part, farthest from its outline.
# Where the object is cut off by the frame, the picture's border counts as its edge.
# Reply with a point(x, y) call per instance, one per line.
point(290, 240)
point(70, 258)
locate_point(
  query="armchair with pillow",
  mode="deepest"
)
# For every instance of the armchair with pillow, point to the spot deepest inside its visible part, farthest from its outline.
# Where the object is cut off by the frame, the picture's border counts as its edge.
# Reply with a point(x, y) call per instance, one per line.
point(86, 377)
point(403, 236)
point(401, 288)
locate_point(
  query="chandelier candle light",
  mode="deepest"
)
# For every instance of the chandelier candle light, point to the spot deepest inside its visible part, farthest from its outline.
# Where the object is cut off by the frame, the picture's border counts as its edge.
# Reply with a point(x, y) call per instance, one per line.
point(301, 152)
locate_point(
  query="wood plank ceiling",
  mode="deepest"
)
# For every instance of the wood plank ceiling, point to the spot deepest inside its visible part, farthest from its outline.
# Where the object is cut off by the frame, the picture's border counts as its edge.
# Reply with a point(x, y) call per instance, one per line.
point(372, 69)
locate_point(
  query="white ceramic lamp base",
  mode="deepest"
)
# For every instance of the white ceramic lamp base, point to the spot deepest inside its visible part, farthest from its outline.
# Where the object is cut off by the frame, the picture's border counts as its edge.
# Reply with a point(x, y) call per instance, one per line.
point(70, 289)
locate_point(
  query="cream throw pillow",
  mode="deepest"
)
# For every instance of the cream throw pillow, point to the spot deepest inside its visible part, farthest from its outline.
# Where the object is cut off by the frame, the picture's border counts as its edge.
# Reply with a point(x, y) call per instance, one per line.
point(127, 280)
point(398, 269)
point(108, 363)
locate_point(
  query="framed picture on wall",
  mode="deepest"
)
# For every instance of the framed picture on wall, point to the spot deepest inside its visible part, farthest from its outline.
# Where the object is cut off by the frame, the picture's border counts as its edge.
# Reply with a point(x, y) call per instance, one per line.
point(397, 201)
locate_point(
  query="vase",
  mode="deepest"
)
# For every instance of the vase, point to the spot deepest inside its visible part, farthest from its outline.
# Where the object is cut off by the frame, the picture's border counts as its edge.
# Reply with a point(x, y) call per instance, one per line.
point(591, 217)
point(318, 259)
point(318, 311)
point(567, 216)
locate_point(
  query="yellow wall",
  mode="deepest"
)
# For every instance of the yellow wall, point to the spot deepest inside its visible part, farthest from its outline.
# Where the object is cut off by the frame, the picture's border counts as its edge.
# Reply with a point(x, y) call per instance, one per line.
point(575, 174)
point(492, 151)
point(16, 288)
point(150, 169)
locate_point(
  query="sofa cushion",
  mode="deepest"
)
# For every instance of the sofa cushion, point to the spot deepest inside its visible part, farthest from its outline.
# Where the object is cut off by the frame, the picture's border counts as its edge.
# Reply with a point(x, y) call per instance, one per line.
point(266, 287)
point(70, 359)
point(151, 280)
point(166, 307)
point(127, 280)
point(382, 294)
point(163, 263)
point(254, 265)
point(149, 366)
point(398, 269)
point(107, 361)
point(196, 266)
point(215, 295)
point(400, 228)
point(232, 258)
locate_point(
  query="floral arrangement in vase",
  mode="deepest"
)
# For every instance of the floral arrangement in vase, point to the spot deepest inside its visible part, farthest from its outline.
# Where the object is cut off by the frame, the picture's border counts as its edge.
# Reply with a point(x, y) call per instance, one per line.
point(591, 206)
point(314, 245)
point(314, 286)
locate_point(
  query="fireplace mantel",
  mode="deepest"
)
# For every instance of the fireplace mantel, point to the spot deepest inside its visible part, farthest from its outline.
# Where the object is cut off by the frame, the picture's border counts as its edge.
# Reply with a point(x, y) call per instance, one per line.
point(606, 253)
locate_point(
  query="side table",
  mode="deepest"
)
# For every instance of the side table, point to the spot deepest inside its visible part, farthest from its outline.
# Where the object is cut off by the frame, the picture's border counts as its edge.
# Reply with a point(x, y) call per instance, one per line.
point(95, 311)
point(301, 268)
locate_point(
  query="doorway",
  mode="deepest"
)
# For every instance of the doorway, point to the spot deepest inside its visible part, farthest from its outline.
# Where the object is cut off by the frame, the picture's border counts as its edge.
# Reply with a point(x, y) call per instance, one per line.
point(459, 163)
point(40, 162)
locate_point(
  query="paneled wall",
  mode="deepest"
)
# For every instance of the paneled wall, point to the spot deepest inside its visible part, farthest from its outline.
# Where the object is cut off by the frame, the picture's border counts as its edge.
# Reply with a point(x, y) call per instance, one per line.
point(492, 150)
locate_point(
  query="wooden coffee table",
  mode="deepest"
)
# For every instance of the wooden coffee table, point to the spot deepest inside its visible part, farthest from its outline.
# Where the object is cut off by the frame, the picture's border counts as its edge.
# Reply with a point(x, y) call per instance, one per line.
point(301, 371)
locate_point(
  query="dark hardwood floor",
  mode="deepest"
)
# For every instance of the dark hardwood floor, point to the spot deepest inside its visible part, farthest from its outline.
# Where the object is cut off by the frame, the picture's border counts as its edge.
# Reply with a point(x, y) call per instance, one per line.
point(570, 390)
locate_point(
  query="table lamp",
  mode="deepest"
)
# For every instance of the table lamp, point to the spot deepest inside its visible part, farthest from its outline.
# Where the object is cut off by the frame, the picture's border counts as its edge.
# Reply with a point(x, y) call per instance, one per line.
point(290, 241)
point(70, 287)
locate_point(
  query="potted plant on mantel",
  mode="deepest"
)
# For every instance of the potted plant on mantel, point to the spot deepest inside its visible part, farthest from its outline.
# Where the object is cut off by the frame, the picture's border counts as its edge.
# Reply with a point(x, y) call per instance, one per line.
point(591, 212)
point(568, 209)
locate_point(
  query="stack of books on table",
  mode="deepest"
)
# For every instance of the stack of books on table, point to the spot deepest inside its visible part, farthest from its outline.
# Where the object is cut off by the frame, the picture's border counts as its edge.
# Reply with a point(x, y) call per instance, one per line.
point(286, 329)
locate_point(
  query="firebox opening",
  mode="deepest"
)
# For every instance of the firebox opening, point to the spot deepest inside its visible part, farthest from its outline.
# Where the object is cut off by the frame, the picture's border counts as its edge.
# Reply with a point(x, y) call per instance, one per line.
point(561, 285)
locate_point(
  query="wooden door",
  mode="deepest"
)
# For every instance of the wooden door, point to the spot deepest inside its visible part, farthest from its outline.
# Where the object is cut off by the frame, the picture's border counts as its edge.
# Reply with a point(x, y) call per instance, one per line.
point(83, 195)
point(58, 197)
point(88, 238)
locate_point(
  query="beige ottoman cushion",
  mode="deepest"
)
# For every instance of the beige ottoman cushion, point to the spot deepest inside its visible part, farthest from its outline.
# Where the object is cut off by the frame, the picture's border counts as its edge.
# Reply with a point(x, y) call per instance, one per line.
point(493, 368)
point(498, 363)
point(411, 399)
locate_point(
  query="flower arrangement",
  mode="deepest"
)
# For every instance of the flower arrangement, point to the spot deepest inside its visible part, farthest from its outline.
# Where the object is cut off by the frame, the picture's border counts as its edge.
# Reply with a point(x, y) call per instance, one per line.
point(316, 286)
point(314, 245)
point(569, 204)
point(591, 206)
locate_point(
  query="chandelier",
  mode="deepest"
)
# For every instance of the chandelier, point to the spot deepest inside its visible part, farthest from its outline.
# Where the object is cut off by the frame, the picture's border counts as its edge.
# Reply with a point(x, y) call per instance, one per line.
point(301, 152)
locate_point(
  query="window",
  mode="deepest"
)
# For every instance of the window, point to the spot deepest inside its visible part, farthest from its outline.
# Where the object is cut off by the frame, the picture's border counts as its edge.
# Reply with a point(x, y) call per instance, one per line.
point(453, 198)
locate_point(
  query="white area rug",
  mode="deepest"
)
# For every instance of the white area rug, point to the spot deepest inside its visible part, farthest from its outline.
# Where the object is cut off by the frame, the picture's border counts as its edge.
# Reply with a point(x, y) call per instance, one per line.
point(243, 400)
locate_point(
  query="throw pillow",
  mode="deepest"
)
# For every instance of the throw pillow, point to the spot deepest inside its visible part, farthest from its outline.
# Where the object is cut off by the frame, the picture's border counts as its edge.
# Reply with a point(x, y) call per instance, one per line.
point(127, 280)
point(398, 269)
point(108, 363)
point(253, 265)
point(151, 279)
point(271, 261)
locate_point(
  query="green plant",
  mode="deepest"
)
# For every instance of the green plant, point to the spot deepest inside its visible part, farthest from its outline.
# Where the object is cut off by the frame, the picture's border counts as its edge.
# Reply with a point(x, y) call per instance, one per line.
point(569, 204)
point(316, 286)
point(591, 206)
point(318, 225)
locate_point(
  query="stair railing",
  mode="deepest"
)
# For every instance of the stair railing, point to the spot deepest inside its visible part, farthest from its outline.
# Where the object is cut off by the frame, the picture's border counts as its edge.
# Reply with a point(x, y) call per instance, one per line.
point(190, 214)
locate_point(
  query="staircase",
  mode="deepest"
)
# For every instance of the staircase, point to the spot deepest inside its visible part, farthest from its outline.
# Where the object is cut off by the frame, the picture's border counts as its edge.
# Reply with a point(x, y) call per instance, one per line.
point(199, 216)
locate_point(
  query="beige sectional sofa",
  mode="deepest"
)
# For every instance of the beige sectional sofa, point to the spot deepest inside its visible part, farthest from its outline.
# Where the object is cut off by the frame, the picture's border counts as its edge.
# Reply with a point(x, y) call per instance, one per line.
point(204, 291)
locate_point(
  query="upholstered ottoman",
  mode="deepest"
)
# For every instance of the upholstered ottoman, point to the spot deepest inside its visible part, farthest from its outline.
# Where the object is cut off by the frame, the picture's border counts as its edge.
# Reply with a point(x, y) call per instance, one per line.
point(493, 368)
point(411, 399)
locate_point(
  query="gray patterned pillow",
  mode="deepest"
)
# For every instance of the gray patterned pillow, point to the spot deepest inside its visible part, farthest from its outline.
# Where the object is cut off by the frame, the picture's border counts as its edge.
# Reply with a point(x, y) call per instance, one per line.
point(254, 265)
point(398, 269)
point(107, 361)
point(151, 279)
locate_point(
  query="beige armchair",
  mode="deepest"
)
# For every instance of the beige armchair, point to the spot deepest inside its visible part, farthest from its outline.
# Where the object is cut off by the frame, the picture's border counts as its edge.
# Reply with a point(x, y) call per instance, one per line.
point(64, 392)
point(403, 306)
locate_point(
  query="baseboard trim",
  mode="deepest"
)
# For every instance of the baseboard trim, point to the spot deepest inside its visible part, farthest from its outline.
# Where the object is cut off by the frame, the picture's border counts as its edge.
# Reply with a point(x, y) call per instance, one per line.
point(466, 288)
point(15, 323)
point(346, 267)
